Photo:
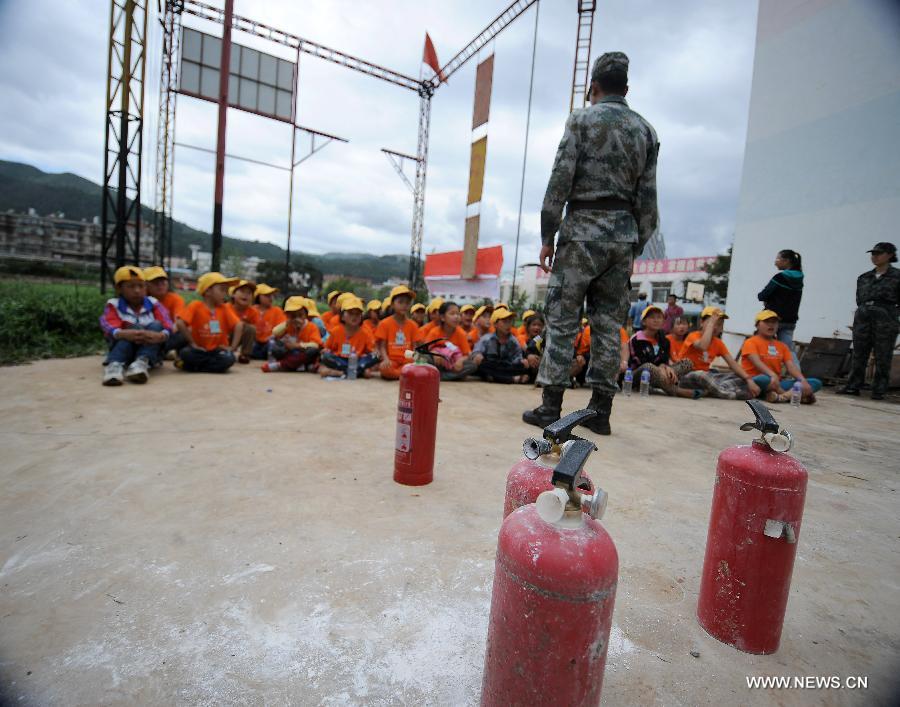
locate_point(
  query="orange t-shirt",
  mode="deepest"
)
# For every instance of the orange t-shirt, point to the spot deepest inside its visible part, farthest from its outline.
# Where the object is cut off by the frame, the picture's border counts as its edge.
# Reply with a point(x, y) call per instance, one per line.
point(701, 359)
point(174, 303)
point(474, 335)
point(249, 315)
point(623, 335)
point(398, 338)
point(309, 332)
point(583, 341)
point(209, 330)
point(370, 326)
point(523, 340)
point(772, 352)
point(340, 345)
point(427, 332)
point(329, 319)
point(675, 348)
point(268, 320)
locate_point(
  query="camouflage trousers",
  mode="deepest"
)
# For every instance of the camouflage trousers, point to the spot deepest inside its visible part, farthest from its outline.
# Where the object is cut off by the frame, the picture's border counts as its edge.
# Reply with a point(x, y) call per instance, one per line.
point(598, 272)
point(874, 330)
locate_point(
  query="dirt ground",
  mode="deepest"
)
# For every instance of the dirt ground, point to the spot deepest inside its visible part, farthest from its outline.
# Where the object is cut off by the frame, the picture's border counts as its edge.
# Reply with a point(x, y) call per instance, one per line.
point(238, 539)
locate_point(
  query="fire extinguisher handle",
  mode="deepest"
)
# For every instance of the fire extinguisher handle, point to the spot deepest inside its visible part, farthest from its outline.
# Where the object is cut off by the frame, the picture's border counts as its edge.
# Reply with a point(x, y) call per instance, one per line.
point(561, 430)
point(764, 422)
point(568, 471)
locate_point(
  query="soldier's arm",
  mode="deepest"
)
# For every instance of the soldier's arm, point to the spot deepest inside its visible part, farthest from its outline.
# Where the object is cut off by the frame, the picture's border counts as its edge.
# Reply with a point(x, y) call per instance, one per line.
point(560, 184)
point(645, 210)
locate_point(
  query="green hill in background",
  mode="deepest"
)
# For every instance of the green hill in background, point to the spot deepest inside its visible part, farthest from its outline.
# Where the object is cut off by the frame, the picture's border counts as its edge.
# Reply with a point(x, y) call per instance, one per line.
point(23, 186)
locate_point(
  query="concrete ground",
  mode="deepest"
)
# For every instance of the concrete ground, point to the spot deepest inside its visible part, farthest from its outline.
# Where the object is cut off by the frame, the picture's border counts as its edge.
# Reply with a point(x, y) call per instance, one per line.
point(239, 539)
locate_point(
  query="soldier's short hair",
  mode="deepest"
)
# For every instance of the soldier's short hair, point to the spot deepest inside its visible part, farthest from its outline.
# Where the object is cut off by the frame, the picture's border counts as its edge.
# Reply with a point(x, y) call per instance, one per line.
point(613, 82)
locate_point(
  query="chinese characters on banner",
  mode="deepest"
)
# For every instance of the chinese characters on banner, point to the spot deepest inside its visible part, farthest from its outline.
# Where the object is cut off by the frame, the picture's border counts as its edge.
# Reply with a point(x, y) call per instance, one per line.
point(672, 265)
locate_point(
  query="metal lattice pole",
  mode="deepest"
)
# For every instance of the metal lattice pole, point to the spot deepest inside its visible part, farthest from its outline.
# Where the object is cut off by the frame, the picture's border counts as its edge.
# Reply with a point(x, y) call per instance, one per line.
point(415, 251)
point(124, 136)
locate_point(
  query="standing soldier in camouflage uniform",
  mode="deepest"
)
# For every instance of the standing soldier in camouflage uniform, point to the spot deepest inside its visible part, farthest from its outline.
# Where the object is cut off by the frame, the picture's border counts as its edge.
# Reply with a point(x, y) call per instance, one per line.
point(605, 171)
point(875, 324)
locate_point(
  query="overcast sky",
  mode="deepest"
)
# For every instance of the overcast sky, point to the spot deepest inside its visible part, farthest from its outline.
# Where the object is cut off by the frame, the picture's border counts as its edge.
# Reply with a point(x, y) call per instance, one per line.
point(691, 67)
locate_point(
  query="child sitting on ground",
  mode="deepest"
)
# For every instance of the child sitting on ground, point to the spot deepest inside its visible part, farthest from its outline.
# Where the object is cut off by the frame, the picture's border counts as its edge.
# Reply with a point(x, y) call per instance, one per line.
point(158, 287)
point(136, 328)
point(372, 320)
point(481, 323)
point(451, 356)
point(270, 316)
point(396, 334)
point(649, 351)
point(348, 336)
point(432, 311)
point(212, 331)
point(417, 314)
point(763, 356)
point(466, 315)
point(498, 355)
point(701, 348)
point(680, 327)
point(519, 331)
point(334, 309)
point(295, 342)
point(242, 305)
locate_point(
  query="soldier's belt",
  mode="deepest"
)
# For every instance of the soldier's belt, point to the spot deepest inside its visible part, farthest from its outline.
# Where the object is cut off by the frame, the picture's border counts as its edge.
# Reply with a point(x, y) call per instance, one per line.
point(606, 203)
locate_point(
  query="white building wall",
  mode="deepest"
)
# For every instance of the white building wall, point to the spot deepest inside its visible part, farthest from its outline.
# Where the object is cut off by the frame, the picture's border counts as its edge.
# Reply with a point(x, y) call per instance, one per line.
point(822, 164)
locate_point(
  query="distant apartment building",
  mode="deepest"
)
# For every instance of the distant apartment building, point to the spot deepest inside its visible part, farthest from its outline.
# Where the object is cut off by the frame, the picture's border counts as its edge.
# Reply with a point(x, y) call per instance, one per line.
point(55, 238)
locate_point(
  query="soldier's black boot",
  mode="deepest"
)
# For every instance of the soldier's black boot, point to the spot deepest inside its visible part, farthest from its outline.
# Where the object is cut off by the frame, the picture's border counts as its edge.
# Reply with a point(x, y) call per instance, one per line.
point(602, 403)
point(550, 409)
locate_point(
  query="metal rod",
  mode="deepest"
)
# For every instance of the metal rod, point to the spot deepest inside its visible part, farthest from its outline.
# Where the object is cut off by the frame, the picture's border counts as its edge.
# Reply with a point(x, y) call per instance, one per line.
point(537, 13)
point(287, 254)
point(224, 66)
point(232, 157)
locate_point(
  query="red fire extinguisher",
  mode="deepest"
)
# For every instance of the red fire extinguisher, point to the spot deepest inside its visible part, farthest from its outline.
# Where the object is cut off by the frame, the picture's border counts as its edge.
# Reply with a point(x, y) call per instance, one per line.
point(417, 410)
point(552, 602)
point(753, 530)
point(531, 476)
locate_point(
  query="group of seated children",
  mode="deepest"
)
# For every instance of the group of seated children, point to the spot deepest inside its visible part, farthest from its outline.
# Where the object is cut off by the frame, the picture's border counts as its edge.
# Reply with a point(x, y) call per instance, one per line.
point(146, 321)
point(679, 363)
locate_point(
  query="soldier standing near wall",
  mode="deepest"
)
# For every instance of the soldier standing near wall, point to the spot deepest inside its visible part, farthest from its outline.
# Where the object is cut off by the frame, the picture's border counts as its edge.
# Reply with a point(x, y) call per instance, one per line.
point(605, 172)
point(875, 324)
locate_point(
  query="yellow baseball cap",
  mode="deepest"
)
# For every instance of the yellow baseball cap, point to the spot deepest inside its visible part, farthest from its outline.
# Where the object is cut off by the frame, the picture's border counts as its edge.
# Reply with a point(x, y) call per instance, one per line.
point(295, 304)
point(311, 307)
point(709, 311)
point(351, 302)
point(501, 304)
point(400, 290)
point(764, 315)
point(242, 283)
point(264, 289)
point(418, 306)
point(154, 273)
point(527, 313)
point(501, 313)
point(651, 308)
point(584, 321)
point(374, 304)
point(332, 295)
point(482, 309)
point(128, 272)
point(466, 308)
point(434, 305)
point(207, 280)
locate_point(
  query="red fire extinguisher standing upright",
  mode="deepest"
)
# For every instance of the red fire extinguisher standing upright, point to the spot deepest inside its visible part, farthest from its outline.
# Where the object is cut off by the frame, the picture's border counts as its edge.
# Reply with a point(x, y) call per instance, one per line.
point(417, 409)
point(531, 476)
point(552, 601)
point(753, 530)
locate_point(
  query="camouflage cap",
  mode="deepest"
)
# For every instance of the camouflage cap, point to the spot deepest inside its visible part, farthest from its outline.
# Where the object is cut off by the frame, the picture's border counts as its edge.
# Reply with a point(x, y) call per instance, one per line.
point(610, 61)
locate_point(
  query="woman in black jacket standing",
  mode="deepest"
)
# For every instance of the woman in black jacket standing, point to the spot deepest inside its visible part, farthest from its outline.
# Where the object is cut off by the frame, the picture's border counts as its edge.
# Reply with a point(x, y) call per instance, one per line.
point(782, 294)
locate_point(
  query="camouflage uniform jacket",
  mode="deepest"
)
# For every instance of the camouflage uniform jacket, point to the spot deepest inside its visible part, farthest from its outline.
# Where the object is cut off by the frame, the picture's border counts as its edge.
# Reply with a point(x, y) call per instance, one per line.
point(881, 291)
point(607, 150)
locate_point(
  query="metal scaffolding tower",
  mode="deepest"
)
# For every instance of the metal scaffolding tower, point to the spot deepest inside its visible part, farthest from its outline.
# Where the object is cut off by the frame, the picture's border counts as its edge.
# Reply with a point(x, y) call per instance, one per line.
point(165, 135)
point(121, 205)
point(582, 68)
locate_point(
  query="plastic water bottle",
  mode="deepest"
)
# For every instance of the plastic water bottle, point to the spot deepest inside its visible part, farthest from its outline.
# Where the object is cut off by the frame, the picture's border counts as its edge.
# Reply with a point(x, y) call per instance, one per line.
point(645, 384)
point(270, 353)
point(796, 394)
point(352, 365)
point(627, 382)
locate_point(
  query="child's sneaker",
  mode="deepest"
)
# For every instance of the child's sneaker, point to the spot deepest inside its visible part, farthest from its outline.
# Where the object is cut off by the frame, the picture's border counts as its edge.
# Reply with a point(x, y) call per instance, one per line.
point(113, 373)
point(138, 371)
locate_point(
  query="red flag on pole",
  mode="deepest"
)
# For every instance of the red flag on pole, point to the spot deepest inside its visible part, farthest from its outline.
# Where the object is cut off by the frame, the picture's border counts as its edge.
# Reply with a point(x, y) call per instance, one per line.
point(430, 57)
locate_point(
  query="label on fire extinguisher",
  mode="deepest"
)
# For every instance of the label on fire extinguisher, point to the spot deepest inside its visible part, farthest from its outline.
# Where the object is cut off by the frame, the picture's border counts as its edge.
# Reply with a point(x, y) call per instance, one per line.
point(403, 441)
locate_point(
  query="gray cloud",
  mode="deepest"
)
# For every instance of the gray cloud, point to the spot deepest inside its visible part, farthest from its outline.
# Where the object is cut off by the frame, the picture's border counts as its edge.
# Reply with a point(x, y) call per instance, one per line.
point(690, 75)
